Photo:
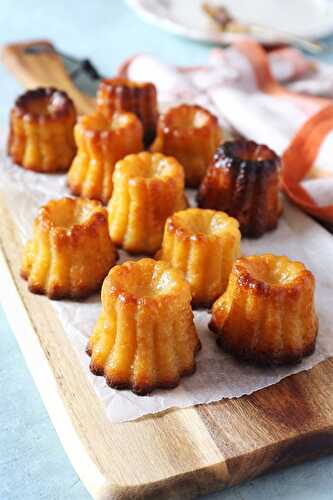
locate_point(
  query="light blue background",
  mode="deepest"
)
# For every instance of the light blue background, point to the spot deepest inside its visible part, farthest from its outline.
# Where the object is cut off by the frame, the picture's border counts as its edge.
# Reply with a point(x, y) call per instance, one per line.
point(33, 464)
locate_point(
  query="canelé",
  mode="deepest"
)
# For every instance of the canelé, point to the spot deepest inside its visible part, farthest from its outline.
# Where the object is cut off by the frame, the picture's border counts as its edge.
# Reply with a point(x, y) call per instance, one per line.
point(243, 181)
point(267, 314)
point(191, 134)
point(147, 188)
point(204, 245)
point(70, 252)
point(101, 142)
point(145, 337)
point(41, 130)
point(120, 94)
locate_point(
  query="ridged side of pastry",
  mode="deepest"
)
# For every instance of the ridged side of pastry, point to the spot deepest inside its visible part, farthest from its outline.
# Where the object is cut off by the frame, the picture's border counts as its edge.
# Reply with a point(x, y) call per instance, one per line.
point(247, 189)
point(101, 143)
point(204, 245)
point(41, 131)
point(120, 94)
point(191, 134)
point(144, 342)
point(267, 323)
point(147, 189)
point(68, 262)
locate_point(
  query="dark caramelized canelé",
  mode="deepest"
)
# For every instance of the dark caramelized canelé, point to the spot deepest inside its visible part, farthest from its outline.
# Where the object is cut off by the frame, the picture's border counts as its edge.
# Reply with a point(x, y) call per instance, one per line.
point(243, 181)
point(41, 134)
point(120, 94)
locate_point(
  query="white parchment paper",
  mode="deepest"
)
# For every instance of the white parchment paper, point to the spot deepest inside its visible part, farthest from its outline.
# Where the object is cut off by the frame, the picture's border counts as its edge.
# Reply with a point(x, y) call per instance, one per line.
point(218, 375)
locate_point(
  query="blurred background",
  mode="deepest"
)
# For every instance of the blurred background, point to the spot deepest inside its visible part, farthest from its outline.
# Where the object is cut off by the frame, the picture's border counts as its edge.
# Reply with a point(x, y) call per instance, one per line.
point(33, 464)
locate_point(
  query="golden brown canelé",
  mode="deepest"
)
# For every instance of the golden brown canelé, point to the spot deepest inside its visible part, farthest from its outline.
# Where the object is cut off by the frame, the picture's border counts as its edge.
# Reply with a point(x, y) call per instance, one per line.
point(267, 313)
point(191, 134)
point(147, 188)
point(101, 142)
point(243, 181)
point(70, 252)
point(41, 134)
point(145, 337)
point(120, 94)
point(204, 245)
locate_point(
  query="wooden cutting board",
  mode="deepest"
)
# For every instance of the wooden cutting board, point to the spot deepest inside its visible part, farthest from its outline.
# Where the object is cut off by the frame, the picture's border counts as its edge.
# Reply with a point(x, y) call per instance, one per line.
point(41, 68)
point(180, 453)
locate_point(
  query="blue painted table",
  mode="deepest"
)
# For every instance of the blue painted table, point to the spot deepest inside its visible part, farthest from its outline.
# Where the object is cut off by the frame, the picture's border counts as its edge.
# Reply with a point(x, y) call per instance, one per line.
point(33, 464)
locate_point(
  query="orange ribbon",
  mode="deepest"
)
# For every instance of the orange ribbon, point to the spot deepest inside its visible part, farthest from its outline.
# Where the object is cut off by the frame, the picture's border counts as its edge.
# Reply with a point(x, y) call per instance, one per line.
point(299, 158)
point(303, 150)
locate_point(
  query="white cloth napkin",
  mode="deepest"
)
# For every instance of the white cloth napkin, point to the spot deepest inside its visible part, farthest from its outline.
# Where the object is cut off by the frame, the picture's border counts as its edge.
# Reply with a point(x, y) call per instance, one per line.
point(228, 86)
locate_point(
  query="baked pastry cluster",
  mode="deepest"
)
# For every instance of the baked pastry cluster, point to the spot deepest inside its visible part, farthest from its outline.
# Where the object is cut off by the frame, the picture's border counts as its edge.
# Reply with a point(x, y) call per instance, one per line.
point(41, 130)
point(120, 94)
point(191, 134)
point(204, 245)
point(147, 188)
point(101, 142)
point(145, 337)
point(70, 252)
point(267, 313)
point(243, 181)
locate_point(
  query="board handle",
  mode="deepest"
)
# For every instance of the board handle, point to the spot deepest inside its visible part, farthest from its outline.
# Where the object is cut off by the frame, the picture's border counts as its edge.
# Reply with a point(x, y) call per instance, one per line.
point(43, 68)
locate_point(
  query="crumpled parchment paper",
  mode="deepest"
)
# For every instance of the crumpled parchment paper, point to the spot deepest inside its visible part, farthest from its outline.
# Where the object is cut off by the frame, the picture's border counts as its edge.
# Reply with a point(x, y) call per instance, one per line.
point(218, 375)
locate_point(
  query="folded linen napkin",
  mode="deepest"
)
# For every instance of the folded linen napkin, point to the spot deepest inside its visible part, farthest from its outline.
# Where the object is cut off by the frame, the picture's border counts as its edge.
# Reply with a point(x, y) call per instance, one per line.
point(258, 94)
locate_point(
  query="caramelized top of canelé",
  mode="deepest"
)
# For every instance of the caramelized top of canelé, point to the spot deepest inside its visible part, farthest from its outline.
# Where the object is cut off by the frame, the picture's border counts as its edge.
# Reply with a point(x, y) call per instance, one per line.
point(110, 83)
point(235, 153)
point(270, 274)
point(97, 125)
point(44, 104)
point(198, 223)
point(143, 281)
point(187, 119)
point(67, 214)
point(150, 166)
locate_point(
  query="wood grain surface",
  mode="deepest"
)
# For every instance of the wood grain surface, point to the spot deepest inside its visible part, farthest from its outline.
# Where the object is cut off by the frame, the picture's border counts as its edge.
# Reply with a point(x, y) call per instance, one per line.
point(177, 454)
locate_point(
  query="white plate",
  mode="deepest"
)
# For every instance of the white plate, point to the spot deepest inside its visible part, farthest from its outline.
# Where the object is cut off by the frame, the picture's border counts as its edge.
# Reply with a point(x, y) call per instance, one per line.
point(305, 18)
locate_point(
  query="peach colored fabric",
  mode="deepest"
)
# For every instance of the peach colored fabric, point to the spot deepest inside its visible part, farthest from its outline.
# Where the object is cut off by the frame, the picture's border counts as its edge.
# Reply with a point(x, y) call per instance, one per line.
point(251, 81)
point(258, 58)
point(299, 158)
point(303, 150)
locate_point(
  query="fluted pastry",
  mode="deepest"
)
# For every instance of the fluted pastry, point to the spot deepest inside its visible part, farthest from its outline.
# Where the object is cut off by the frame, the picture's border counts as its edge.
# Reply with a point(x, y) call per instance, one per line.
point(70, 252)
point(145, 337)
point(41, 130)
point(204, 245)
point(243, 181)
point(191, 134)
point(120, 94)
point(267, 313)
point(147, 188)
point(101, 142)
